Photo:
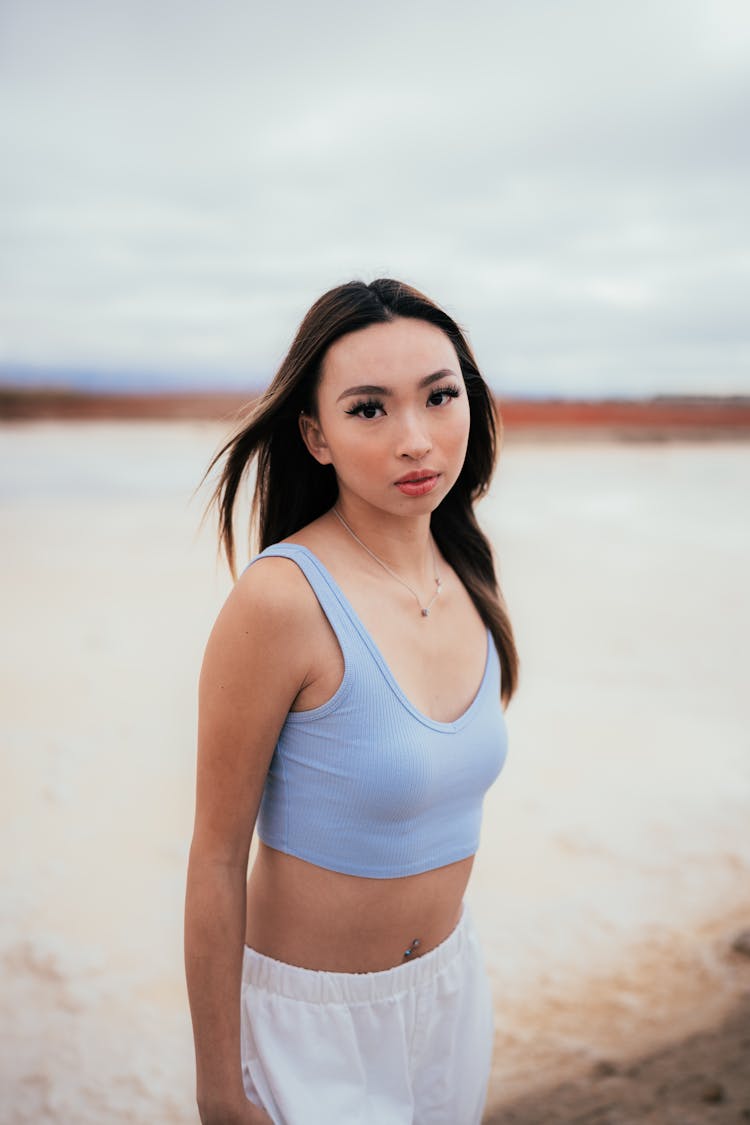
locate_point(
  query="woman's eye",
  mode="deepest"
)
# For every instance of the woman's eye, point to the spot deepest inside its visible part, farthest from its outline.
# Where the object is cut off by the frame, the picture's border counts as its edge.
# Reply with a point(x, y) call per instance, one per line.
point(372, 408)
point(442, 395)
point(366, 409)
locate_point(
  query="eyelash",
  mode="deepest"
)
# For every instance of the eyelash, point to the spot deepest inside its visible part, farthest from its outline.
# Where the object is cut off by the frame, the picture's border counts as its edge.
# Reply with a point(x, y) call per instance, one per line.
point(376, 404)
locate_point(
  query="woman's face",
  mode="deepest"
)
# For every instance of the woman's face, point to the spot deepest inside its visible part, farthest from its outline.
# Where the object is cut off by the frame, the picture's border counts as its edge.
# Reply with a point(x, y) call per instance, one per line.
point(392, 416)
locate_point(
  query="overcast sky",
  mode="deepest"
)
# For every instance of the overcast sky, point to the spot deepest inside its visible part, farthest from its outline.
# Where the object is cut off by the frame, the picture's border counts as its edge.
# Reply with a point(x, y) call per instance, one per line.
point(569, 178)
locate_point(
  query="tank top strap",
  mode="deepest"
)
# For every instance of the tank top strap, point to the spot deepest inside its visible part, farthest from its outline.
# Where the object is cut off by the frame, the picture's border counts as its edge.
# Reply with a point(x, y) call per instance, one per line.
point(330, 597)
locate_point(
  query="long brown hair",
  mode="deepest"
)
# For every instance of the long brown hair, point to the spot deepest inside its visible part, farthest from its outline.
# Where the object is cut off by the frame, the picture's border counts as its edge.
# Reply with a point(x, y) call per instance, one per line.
point(292, 488)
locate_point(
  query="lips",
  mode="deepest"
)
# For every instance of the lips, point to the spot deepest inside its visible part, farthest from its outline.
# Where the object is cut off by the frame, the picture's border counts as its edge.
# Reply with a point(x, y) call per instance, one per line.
point(418, 482)
point(418, 474)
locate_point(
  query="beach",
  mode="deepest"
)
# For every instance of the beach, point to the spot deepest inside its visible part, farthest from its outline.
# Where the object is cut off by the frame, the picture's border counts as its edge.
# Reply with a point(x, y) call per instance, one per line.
point(613, 877)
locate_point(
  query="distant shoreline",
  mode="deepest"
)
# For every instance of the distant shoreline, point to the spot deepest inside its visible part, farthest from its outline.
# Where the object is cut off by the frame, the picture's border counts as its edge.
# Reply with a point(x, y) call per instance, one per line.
point(658, 418)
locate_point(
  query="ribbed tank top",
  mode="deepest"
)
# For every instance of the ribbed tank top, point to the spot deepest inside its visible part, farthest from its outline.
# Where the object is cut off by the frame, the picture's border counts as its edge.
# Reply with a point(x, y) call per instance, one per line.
point(366, 784)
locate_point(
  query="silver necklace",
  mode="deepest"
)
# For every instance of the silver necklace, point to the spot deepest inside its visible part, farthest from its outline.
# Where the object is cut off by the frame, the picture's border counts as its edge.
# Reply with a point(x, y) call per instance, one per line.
point(425, 609)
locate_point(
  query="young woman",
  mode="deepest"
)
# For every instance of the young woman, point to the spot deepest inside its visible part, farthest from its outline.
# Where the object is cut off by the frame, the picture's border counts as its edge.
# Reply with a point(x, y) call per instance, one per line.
point(351, 698)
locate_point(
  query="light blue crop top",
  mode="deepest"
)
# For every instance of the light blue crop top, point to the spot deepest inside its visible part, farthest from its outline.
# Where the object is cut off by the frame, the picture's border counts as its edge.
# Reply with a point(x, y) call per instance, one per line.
point(366, 784)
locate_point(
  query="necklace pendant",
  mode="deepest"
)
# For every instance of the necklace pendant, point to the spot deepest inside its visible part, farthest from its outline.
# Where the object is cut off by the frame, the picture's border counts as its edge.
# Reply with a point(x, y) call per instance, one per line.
point(426, 611)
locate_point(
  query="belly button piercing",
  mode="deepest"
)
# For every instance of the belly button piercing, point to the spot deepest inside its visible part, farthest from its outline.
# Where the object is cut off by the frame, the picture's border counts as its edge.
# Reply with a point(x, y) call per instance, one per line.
point(408, 952)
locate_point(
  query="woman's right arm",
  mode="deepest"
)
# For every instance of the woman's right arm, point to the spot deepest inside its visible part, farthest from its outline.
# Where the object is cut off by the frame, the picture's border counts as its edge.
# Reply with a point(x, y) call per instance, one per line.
point(253, 668)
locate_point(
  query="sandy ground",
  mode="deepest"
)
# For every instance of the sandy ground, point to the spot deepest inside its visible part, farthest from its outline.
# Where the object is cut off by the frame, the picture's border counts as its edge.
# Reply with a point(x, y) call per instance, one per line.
point(614, 870)
point(701, 1078)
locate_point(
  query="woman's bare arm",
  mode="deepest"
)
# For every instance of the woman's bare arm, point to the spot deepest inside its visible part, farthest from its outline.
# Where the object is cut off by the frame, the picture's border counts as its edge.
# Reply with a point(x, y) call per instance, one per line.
point(253, 668)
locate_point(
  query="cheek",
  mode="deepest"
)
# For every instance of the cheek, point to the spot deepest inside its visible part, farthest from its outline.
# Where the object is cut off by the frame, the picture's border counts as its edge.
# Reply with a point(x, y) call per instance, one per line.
point(356, 456)
point(456, 434)
point(361, 460)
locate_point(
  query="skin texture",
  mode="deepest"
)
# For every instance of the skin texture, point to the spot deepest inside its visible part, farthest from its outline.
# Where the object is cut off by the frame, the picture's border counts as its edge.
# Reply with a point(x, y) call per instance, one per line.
point(272, 650)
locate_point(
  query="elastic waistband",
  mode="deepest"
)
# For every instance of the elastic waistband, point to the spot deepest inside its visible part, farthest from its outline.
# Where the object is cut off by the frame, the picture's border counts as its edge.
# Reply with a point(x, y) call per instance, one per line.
point(323, 987)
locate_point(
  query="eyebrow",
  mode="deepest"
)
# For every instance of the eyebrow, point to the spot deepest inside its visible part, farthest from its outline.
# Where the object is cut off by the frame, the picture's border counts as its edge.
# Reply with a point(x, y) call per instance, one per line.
point(371, 389)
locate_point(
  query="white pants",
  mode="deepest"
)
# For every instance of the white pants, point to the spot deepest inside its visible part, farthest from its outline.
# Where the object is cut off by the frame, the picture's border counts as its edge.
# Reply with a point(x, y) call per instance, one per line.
point(411, 1045)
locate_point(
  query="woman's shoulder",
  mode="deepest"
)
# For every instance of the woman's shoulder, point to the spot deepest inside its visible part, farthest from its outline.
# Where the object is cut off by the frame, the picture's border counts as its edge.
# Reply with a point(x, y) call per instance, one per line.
point(293, 577)
point(273, 587)
point(259, 638)
point(264, 624)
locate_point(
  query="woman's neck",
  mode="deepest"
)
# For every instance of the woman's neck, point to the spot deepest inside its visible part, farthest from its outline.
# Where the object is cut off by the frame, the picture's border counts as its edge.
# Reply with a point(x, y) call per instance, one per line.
point(401, 542)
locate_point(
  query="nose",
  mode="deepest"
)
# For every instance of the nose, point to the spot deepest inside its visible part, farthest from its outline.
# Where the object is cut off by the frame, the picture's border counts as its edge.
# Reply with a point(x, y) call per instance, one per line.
point(414, 440)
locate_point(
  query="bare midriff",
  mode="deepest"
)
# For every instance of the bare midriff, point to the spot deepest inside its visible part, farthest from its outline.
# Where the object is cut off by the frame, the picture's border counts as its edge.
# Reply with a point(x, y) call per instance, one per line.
point(309, 916)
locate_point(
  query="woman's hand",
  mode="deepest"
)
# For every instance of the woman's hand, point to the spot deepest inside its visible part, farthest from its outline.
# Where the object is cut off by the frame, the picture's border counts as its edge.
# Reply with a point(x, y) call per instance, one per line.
point(248, 1114)
point(256, 1116)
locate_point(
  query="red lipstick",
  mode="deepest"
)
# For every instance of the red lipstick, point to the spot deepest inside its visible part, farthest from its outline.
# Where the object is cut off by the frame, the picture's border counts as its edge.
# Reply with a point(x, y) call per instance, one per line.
point(418, 482)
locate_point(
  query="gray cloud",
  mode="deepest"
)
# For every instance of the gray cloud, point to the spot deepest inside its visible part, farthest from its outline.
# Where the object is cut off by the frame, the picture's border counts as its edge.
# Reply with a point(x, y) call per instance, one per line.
point(568, 179)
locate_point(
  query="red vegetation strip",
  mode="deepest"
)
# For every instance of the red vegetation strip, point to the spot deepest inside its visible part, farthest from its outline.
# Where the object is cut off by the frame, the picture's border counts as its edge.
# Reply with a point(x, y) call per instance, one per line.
point(676, 412)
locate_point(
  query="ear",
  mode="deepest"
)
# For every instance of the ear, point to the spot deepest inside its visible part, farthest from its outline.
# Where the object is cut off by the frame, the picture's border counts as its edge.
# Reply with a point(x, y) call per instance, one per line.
point(313, 437)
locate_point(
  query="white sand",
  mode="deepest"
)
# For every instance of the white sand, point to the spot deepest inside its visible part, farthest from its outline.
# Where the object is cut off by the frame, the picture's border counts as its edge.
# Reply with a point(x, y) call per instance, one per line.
point(615, 850)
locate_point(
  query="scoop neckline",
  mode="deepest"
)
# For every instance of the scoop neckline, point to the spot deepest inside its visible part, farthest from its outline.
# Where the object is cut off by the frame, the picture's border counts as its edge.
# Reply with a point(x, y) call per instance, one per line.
point(436, 724)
